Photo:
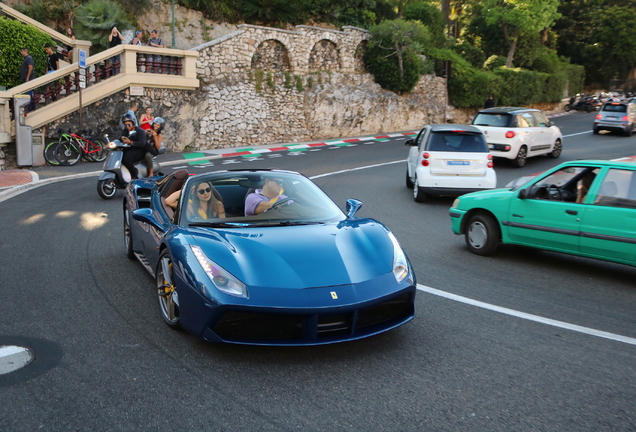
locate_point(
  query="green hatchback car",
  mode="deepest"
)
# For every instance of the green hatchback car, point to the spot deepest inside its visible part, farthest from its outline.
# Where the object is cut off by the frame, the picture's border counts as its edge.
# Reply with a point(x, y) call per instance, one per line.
point(585, 208)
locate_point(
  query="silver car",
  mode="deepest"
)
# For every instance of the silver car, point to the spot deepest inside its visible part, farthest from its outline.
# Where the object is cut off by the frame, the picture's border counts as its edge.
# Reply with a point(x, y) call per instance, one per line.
point(616, 117)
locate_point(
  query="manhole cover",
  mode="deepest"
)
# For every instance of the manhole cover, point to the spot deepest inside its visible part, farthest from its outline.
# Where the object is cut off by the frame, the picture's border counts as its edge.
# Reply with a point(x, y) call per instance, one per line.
point(13, 358)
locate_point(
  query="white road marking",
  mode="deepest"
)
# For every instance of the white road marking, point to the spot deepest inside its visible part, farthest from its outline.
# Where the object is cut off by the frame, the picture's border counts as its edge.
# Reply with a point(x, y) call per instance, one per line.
point(13, 358)
point(529, 317)
point(580, 133)
point(356, 169)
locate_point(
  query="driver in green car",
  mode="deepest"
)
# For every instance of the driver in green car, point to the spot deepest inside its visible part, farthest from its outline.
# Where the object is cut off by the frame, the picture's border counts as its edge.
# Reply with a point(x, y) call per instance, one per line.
point(263, 199)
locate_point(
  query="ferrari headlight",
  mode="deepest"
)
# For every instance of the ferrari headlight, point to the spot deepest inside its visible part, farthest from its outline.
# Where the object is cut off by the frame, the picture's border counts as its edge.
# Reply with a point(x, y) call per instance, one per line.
point(400, 264)
point(222, 280)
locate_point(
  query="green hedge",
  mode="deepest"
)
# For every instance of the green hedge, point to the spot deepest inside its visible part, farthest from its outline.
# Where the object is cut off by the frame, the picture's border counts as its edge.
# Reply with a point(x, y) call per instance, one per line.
point(13, 36)
point(469, 87)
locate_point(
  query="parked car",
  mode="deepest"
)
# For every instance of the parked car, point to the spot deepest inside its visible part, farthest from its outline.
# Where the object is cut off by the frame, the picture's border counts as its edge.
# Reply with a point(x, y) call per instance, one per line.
point(616, 117)
point(448, 159)
point(519, 133)
point(584, 208)
point(300, 273)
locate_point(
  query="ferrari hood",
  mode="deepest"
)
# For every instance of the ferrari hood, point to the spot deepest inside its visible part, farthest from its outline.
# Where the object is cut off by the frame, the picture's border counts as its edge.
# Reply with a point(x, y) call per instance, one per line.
point(300, 257)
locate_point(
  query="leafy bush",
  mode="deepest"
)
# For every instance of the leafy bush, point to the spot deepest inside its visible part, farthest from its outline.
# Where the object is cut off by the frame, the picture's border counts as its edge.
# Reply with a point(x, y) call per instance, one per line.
point(429, 15)
point(576, 78)
point(474, 55)
point(393, 54)
point(520, 87)
point(547, 60)
point(494, 61)
point(468, 87)
point(13, 36)
point(95, 21)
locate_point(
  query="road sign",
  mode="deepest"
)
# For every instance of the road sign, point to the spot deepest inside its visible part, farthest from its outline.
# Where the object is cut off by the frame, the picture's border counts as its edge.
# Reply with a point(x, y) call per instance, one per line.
point(82, 59)
point(82, 78)
point(82, 72)
point(82, 84)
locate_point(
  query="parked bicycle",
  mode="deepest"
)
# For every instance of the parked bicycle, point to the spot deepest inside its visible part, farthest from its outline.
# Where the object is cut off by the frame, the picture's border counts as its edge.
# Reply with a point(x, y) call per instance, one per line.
point(92, 149)
point(49, 149)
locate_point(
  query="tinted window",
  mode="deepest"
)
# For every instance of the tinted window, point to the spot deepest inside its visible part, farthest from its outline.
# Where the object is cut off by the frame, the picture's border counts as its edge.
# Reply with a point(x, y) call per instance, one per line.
point(457, 142)
point(521, 122)
point(615, 108)
point(529, 118)
point(493, 119)
point(539, 119)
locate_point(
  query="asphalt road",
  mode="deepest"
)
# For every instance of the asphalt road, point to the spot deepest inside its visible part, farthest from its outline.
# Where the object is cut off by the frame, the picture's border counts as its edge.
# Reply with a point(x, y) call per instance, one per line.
point(106, 361)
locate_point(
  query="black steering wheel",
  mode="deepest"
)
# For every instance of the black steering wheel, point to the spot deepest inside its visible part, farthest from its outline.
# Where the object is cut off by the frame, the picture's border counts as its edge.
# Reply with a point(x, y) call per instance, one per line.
point(280, 203)
point(554, 193)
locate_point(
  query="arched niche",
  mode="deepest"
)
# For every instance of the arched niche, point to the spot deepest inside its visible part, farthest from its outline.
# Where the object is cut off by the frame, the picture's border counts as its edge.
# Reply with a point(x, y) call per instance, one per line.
point(358, 59)
point(324, 56)
point(271, 56)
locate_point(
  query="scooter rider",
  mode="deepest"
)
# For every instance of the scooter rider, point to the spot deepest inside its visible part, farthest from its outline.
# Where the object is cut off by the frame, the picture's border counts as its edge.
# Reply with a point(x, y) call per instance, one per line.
point(136, 138)
point(155, 138)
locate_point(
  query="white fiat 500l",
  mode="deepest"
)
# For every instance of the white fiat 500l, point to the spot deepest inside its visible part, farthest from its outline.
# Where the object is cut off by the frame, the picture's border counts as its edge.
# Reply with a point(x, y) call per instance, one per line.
point(449, 159)
point(519, 133)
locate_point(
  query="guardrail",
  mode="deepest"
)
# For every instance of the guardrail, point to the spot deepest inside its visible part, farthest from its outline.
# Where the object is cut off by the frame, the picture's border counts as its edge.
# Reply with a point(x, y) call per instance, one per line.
point(57, 94)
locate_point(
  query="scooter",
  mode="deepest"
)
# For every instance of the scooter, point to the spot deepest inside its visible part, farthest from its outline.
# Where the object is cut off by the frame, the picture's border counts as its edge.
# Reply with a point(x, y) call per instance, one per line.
point(116, 175)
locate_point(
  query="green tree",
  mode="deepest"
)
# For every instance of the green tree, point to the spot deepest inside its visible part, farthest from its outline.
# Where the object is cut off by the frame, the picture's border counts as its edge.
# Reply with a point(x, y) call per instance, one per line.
point(270, 12)
point(431, 17)
point(95, 21)
point(13, 36)
point(611, 47)
point(518, 17)
point(393, 54)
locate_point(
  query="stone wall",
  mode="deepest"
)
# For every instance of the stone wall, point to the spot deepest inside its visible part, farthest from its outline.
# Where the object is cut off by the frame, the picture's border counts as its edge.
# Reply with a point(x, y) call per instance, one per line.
point(264, 86)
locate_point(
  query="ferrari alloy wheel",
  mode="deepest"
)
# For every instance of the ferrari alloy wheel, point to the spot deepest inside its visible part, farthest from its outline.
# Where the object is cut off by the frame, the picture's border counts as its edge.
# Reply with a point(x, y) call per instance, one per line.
point(106, 188)
point(520, 160)
point(418, 195)
point(482, 234)
point(556, 151)
point(128, 240)
point(167, 294)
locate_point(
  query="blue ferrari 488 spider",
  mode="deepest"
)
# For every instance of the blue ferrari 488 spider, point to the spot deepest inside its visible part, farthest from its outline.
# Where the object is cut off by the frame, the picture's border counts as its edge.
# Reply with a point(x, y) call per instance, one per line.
point(265, 257)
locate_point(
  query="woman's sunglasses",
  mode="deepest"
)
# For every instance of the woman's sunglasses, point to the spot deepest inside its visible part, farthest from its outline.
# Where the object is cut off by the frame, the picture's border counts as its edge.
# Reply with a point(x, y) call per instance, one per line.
point(203, 191)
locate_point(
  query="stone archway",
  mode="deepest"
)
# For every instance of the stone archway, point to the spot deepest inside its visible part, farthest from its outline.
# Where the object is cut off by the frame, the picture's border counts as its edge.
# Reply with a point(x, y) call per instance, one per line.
point(358, 59)
point(271, 56)
point(324, 56)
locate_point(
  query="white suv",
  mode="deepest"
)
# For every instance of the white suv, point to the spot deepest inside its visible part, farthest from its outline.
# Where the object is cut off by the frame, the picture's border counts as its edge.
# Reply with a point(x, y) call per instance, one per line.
point(519, 133)
point(448, 159)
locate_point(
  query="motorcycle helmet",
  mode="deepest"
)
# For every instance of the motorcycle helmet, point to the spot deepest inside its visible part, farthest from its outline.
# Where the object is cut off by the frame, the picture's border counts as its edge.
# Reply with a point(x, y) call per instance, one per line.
point(160, 121)
point(127, 117)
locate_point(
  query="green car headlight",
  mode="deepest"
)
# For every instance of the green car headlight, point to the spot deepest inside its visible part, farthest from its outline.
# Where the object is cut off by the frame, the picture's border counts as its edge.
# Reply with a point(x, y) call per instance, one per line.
point(455, 203)
point(222, 279)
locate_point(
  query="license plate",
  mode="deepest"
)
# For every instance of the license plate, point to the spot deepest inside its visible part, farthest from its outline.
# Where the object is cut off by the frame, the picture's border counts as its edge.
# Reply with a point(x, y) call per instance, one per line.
point(458, 162)
point(611, 117)
point(491, 146)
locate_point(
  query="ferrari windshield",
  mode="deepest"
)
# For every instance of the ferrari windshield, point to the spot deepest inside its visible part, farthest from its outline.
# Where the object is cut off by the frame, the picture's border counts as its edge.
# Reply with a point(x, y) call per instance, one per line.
point(254, 198)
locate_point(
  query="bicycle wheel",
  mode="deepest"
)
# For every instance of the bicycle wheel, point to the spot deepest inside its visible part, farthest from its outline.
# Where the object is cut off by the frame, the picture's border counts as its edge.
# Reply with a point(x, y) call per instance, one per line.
point(88, 152)
point(67, 153)
point(101, 153)
point(49, 153)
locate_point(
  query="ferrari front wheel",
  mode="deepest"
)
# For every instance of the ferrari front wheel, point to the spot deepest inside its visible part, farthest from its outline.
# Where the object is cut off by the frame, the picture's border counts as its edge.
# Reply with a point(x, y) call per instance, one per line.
point(128, 239)
point(167, 293)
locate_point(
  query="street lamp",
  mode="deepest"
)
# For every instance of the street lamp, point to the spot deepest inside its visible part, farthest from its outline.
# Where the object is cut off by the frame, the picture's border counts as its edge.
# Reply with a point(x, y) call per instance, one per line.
point(173, 43)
